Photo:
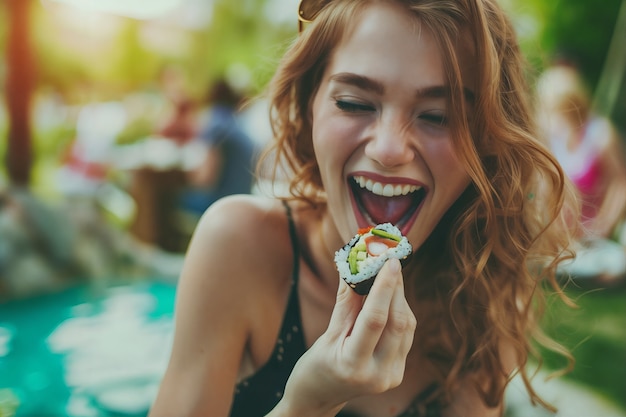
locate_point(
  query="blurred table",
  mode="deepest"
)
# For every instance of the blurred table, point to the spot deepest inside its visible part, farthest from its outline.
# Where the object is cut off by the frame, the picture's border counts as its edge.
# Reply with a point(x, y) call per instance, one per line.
point(156, 195)
point(86, 352)
point(158, 168)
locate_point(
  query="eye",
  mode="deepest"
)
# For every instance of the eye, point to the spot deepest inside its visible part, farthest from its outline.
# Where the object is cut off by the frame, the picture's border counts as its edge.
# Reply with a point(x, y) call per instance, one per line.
point(353, 107)
point(435, 118)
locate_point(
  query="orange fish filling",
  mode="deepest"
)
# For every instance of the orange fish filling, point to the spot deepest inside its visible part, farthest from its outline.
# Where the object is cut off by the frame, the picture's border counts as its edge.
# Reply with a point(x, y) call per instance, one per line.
point(377, 245)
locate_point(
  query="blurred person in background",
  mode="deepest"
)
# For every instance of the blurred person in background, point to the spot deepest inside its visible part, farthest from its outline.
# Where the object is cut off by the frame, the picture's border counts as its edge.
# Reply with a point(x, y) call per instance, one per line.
point(228, 153)
point(591, 152)
point(158, 171)
point(180, 120)
point(181, 127)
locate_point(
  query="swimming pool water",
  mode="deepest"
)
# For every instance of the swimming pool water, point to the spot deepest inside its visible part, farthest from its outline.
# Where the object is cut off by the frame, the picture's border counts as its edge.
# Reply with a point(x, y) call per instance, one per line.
point(85, 352)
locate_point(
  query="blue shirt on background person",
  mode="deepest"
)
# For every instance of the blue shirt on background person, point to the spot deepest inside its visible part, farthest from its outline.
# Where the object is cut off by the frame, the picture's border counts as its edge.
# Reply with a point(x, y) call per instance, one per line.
point(228, 166)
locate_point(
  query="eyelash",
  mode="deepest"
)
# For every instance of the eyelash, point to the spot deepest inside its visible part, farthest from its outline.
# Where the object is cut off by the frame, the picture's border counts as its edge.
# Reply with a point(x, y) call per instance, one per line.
point(352, 107)
point(439, 120)
point(435, 119)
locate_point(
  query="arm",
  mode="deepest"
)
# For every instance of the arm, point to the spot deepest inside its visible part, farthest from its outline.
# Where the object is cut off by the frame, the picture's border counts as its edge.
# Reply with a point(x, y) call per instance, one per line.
point(213, 138)
point(363, 351)
point(211, 319)
point(207, 173)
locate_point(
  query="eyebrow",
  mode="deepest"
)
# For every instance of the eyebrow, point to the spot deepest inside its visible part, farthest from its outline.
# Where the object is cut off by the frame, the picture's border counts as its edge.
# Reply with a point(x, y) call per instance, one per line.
point(368, 84)
point(359, 81)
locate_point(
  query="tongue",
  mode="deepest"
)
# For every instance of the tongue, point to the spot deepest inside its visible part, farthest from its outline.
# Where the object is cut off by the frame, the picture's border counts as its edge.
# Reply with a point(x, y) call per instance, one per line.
point(385, 209)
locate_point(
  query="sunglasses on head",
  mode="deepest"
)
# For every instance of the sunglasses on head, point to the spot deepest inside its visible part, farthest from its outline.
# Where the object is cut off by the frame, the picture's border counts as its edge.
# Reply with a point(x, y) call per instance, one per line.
point(307, 10)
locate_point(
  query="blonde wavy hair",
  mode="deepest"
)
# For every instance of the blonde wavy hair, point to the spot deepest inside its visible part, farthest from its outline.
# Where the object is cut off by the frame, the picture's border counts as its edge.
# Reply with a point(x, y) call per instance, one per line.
point(491, 256)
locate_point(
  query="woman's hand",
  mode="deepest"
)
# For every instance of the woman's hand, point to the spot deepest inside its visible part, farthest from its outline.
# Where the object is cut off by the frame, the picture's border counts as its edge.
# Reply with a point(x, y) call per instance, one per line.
point(362, 352)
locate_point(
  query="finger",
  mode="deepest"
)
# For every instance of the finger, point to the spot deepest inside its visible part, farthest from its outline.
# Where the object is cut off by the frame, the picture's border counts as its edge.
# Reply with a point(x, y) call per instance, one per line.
point(372, 319)
point(347, 307)
point(397, 337)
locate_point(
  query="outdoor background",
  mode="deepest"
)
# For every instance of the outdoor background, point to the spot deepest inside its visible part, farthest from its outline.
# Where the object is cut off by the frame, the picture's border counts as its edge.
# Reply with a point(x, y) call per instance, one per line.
point(65, 54)
point(61, 57)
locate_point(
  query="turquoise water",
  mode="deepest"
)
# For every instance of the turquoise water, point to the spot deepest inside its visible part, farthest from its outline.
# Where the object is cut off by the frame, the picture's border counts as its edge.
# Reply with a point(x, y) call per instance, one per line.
point(85, 353)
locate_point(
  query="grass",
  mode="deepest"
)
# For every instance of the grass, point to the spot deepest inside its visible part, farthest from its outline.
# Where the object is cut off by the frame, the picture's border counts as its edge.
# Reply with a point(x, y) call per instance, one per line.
point(595, 333)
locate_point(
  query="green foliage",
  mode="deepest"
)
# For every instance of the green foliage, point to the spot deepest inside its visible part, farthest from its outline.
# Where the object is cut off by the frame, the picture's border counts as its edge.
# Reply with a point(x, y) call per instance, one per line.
point(53, 142)
point(132, 65)
point(239, 34)
point(108, 73)
point(580, 29)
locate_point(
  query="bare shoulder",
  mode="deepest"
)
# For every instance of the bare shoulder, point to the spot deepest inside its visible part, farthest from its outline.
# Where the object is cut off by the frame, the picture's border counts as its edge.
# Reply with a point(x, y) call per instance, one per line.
point(242, 235)
point(236, 266)
point(236, 213)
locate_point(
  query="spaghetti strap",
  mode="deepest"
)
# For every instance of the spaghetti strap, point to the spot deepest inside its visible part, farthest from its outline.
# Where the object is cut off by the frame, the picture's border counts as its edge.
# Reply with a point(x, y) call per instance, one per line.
point(257, 394)
point(294, 243)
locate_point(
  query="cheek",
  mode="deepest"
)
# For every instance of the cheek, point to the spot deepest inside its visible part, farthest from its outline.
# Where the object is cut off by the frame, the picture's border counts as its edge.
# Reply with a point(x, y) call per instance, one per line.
point(333, 140)
point(447, 168)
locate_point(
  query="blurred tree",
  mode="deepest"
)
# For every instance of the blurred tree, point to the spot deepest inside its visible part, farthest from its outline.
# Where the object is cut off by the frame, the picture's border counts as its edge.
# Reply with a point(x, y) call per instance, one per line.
point(240, 34)
point(237, 34)
point(610, 93)
point(19, 90)
point(3, 36)
point(580, 29)
point(3, 30)
point(106, 70)
point(582, 32)
point(133, 64)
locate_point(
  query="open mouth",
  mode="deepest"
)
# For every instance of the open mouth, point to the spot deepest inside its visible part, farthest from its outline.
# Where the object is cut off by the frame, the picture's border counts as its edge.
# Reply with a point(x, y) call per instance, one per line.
point(379, 202)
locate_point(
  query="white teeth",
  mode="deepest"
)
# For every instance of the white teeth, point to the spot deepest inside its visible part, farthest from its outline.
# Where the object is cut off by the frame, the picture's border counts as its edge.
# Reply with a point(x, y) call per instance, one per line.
point(377, 188)
point(386, 190)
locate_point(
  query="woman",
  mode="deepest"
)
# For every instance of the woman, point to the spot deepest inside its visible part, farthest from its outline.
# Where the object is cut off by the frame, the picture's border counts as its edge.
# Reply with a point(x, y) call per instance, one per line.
point(587, 146)
point(590, 151)
point(408, 112)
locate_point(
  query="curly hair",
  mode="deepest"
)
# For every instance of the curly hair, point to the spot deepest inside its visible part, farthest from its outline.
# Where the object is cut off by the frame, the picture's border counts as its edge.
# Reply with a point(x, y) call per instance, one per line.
point(492, 254)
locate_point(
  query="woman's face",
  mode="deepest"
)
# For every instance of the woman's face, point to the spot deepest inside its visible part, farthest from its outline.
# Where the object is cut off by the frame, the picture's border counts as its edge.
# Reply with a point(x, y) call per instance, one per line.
point(380, 132)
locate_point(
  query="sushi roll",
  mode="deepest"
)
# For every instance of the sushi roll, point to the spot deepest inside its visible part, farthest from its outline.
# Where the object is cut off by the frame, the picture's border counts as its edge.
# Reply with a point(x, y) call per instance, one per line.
point(360, 260)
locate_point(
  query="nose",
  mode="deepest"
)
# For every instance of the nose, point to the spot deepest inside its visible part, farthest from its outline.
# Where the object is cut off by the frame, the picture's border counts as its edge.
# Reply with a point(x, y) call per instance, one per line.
point(391, 143)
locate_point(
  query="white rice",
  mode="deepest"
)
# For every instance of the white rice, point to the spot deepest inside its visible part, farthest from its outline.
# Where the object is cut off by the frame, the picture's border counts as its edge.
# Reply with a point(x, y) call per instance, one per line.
point(370, 267)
